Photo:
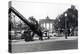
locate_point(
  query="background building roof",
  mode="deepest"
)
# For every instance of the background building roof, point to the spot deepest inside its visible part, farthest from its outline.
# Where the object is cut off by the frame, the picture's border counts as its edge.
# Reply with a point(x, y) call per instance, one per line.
point(47, 20)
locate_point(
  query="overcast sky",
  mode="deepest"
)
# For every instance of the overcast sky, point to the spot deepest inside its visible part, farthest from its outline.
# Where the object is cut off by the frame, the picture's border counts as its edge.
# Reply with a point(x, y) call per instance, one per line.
point(40, 10)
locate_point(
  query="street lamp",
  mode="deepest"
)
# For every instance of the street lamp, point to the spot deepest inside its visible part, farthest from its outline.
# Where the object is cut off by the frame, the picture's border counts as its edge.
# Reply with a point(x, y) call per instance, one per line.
point(65, 25)
point(59, 27)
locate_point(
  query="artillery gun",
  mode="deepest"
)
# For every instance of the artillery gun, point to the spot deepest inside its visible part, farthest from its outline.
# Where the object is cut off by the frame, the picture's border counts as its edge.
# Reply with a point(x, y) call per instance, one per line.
point(35, 29)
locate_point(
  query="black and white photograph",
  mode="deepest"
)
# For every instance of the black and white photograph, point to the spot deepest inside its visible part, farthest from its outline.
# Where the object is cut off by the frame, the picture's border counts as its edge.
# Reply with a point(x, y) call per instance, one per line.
point(42, 26)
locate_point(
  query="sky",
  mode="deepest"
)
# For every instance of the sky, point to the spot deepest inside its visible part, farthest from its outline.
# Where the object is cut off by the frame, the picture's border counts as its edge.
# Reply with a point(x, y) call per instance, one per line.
point(40, 10)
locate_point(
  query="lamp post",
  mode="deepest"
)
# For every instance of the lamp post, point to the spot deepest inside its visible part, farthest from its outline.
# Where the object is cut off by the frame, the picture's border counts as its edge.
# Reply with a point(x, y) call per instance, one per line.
point(65, 25)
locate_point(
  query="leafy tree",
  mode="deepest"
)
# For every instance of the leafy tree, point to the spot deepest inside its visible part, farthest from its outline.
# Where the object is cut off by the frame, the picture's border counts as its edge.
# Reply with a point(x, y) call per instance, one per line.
point(68, 20)
point(34, 22)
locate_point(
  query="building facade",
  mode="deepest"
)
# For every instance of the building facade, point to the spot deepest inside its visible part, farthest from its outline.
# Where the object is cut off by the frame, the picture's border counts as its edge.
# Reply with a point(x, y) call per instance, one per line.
point(47, 23)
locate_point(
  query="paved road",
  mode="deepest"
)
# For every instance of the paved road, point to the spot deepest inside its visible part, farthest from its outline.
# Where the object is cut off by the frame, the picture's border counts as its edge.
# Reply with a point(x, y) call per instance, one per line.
point(44, 45)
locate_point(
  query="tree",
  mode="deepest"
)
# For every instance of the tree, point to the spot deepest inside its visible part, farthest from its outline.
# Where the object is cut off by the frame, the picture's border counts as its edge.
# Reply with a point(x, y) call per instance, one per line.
point(33, 21)
point(70, 17)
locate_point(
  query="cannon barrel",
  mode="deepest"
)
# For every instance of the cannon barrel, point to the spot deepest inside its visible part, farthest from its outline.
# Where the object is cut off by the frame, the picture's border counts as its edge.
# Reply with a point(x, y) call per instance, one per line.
point(19, 15)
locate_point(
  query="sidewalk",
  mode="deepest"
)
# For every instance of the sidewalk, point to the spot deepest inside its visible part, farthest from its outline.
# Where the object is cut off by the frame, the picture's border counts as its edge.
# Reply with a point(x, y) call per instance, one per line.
point(52, 39)
point(63, 38)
